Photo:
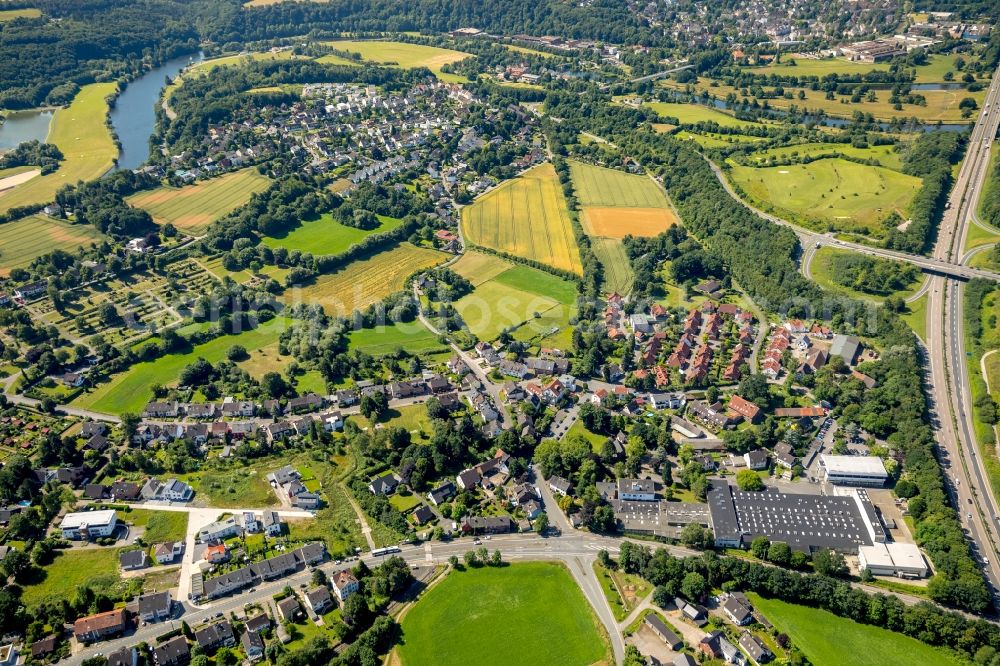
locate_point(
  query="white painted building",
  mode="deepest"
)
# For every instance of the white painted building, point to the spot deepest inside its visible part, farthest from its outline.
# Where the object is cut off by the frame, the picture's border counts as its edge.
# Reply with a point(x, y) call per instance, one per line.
point(87, 525)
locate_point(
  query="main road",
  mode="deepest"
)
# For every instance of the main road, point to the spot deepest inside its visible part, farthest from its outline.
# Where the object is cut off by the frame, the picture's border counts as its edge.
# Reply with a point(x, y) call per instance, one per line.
point(950, 392)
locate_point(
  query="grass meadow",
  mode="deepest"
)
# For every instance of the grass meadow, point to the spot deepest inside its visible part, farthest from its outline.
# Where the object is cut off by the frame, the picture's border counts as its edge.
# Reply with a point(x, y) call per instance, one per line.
point(132, 389)
point(366, 281)
point(526, 217)
point(24, 240)
point(194, 207)
point(327, 236)
point(407, 56)
point(887, 156)
point(536, 605)
point(508, 296)
point(828, 639)
point(72, 569)
point(382, 340)
point(86, 144)
point(689, 114)
point(831, 193)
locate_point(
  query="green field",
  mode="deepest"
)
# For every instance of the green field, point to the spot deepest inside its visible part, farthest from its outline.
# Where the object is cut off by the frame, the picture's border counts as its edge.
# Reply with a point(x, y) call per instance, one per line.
point(715, 140)
point(886, 156)
point(411, 336)
point(830, 194)
point(536, 606)
point(598, 186)
point(86, 144)
point(618, 275)
point(511, 296)
point(11, 14)
point(160, 526)
point(366, 281)
point(795, 65)
point(326, 236)
point(25, 240)
point(526, 217)
point(407, 56)
point(916, 316)
point(821, 271)
point(194, 207)
point(827, 639)
point(689, 114)
point(233, 488)
point(72, 569)
point(132, 389)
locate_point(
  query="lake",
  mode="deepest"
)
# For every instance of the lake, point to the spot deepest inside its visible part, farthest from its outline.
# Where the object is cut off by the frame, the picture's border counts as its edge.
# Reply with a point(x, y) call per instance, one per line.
point(21, 126)
point(134, 115)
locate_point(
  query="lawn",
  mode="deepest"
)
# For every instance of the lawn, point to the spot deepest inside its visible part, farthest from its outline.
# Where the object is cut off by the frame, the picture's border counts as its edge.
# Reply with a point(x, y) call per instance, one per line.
point(513, 297)
point(407, 56)
point(366, 281)
point(821, 270)
point(382, 340)
point(828, 639)
point(327, 236)
point(24, 240)
point(689, 114)
point(132, 389)
point(886, 156)
point(11, 14)
point(529, 603)
point(194, 207)
point(597, 186)
point(160, 525)
point(596, 441)
point(233, 488)
point(916, 316)
point(526, 217)
point(624, 591)
point(830, 194)
point(72, 569)
point(86, 144)
point(618, 275)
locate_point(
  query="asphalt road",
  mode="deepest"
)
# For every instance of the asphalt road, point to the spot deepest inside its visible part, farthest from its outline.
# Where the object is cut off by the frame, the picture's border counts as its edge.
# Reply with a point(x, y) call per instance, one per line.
point(950, 393)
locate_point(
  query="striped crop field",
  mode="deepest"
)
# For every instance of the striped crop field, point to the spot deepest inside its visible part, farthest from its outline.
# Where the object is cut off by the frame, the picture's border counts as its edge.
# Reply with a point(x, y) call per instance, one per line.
point(366, 281)
point(598, 186)
point(193, 208)
point(25, 240)
point(618, 275)
point(526, 217)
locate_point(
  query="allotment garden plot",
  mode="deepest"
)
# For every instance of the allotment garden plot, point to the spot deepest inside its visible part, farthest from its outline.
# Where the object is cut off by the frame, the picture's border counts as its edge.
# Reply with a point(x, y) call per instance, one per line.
point(194, 207)
point(526, 217)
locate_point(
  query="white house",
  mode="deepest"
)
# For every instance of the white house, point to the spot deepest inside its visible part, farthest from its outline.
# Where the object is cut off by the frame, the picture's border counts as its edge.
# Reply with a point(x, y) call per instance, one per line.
point(87, 525)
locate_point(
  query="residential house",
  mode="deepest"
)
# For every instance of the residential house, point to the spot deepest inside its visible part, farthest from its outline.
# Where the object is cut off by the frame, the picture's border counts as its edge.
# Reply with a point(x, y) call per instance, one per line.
point(154, 607)
point(487, 525)
point(560, 486)
point(738, 612)
point(253, 645)
point(174, 652)
point(442, 493)
point(422, 514)
point(216, 553)
point(100, 626)
point(271, 523)
point(216, 635)
point(289, 608)
point(131, 560)
point(219, 530)
point(640, 490)
point(169, 552)
point(385, 484)
point(745, 408)
point(344, 585)
point(125, 656)
point(753, 648)
point(757, 459)
point(318, 599)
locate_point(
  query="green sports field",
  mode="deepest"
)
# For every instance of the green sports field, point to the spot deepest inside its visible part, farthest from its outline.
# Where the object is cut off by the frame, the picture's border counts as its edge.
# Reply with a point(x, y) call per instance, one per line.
point(86, 144)
point(407, 56)
point(381, 340)
point(327, 236)
point(25, 240)
point(598, 186)
point(525, 217)
point(510, 296)
point(529, 613)
point(829, 640)
point(132, 389)
point(194, 207)
point(830, 194)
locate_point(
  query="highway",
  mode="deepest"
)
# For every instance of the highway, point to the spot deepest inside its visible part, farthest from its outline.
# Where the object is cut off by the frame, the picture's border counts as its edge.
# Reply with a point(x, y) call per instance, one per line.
point(950, 393)
point(812, 240)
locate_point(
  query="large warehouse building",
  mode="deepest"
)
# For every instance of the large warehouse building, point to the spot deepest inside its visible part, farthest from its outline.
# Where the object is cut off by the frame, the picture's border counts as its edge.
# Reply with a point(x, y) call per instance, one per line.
point(805, 522)
point(868, 471)
point(893, 559)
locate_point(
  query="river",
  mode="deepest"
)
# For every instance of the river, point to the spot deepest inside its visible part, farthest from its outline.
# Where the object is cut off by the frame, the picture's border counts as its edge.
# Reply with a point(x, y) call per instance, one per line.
point(134, 115)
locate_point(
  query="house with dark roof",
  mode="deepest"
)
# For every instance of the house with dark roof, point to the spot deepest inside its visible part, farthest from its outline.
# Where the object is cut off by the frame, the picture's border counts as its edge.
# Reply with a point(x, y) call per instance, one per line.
point(442, 493)
point(154, 607)
point(253, 645)
point(738, 612)
point(384, 485)
point(126, 656)
point(665, 633)
point(214, 636)
point(174, 652)
point(289, 608)
point(422, 514)
point(131, 560)
point(753, 648)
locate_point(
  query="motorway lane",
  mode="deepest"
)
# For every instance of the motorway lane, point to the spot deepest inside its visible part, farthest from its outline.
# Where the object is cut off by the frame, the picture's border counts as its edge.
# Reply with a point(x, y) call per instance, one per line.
point(948, 379)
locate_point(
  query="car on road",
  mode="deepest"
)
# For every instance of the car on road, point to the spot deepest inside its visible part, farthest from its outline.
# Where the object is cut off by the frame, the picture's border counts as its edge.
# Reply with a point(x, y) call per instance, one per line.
point(969, 515)
point(477, 541)
point(970, 500)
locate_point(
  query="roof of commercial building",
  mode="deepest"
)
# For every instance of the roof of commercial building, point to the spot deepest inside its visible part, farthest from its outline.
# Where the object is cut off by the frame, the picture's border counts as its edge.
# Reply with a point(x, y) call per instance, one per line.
point(899, 555)
point(72, 521)
point(866, 465)
point(804, 522)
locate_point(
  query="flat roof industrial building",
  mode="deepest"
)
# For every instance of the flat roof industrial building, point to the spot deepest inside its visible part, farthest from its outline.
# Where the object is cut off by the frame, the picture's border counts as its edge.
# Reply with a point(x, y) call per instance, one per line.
point(854, 470)
point(804, 522)
point(893, 559)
